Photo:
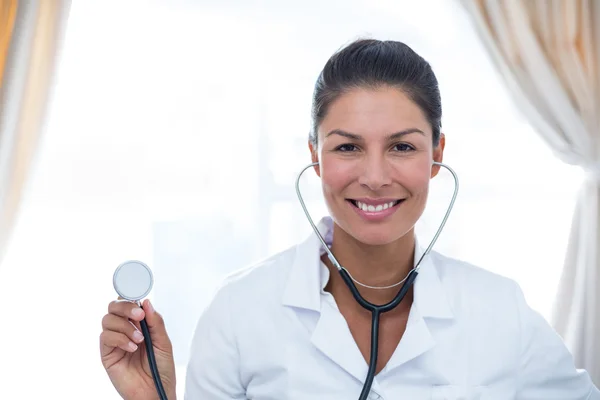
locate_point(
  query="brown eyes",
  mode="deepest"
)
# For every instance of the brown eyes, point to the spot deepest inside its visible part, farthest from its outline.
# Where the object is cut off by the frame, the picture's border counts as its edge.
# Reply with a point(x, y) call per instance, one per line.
point(346, 148)
point(403, 147)
point(349, 148)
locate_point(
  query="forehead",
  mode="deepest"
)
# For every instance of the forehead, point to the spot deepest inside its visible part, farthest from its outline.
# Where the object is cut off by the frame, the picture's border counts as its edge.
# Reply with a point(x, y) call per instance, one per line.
point(371, 111)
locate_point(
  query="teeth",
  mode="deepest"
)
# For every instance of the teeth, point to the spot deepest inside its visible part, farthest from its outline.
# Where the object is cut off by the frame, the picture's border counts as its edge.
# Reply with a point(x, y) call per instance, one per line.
point(371, 208)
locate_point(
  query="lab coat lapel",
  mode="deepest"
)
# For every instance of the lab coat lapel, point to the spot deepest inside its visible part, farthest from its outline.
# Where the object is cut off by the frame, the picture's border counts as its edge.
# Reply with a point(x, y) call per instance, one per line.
point(303, 285)
point(417, 339)
point(430, 303)
point(333, 338)
point(430, 296)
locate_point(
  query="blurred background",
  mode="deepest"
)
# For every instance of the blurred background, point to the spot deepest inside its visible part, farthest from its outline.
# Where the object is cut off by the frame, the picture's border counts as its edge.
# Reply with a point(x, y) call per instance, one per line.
point(171, 131)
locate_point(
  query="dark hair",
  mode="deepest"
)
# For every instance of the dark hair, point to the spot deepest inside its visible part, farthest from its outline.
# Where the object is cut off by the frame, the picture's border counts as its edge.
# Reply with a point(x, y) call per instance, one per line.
point(369, 63)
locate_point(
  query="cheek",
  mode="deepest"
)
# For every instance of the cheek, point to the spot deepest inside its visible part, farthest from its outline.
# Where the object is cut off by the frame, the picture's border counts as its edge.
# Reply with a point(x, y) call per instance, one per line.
point(333, 184)
point(415, 177)
point(336, 176)
point(419, 183)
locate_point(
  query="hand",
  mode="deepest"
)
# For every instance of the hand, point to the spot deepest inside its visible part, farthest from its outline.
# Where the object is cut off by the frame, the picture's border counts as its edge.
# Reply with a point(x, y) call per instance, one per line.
point(123, 351)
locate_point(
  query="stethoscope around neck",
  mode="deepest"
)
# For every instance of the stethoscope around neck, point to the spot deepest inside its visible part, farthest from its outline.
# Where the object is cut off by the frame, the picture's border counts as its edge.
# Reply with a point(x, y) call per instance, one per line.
point(376, 310)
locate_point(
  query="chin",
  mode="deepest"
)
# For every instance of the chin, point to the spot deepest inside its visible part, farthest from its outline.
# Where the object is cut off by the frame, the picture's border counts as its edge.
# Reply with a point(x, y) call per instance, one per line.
point(373, 235)
point(376, 238)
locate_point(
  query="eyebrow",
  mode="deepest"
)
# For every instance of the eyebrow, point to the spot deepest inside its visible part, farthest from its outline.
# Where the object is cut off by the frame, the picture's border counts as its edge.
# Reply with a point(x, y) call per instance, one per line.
point(393, 136)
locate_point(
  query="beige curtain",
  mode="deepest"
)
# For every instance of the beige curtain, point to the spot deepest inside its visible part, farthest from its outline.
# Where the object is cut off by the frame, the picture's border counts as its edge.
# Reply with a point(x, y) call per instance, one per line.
point(547, 52)
point(31, 33)
point(8, 12)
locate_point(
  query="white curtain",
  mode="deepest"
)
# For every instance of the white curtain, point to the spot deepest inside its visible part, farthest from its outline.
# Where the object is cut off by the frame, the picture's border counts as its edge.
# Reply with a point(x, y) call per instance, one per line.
point(31, 32)
point(548, 54)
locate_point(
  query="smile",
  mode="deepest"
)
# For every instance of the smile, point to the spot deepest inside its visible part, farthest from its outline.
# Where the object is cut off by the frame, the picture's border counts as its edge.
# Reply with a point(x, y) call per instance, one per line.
point(375, 209)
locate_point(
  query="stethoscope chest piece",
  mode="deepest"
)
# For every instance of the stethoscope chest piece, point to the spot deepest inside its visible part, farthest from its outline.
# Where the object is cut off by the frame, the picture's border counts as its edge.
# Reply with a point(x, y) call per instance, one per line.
point(133, 280)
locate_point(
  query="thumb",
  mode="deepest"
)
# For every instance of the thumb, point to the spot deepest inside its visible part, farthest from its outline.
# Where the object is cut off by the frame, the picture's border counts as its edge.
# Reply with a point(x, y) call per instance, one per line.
point(156, 327)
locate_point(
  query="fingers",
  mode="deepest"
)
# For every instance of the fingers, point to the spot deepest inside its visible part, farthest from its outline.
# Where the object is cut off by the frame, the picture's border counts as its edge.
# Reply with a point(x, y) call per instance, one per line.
point(110, 340)
point(114, 323)
point(126, 309)
point(156, 326)
point(119, 327)
point(153, 318)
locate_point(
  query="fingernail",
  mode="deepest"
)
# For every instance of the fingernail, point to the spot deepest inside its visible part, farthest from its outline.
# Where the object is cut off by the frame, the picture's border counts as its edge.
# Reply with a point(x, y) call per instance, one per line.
point(137, 336)
point(150, 308)
point(133, 346)
point(137, 312)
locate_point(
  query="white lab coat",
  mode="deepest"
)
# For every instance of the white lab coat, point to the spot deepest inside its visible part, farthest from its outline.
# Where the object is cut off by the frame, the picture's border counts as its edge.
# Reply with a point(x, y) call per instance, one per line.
point(272, 332)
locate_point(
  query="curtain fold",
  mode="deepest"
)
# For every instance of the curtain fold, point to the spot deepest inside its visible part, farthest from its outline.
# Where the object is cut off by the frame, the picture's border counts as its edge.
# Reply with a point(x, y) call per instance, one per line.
point(548, 53)
point(32, 32)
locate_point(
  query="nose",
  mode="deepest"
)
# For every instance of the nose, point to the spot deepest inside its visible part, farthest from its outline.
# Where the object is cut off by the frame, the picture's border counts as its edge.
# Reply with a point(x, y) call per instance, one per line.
point(375, 173)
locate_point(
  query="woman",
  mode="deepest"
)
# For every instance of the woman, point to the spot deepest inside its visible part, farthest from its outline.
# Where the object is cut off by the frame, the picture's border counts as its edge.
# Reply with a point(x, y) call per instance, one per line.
point(289, 328)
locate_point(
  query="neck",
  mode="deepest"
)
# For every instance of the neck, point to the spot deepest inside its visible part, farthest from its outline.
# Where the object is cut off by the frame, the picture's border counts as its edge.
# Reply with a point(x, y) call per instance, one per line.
point(376, 266)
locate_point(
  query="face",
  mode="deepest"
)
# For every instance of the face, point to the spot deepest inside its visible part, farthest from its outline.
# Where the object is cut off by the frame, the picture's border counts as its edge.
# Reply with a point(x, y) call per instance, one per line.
point(375, 151)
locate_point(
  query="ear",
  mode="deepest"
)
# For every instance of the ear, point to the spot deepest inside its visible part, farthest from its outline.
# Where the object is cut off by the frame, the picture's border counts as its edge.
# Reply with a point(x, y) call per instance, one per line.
point(315, 157)
point(438, 155)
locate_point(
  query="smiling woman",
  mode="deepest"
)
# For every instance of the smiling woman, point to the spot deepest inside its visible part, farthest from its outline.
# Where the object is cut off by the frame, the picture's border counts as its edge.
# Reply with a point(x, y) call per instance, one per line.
point(375, 145)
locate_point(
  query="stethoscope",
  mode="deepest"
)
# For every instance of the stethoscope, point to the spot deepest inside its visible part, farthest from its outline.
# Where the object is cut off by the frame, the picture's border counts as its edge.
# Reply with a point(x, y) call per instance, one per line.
point(376, 310)
point(133, 281)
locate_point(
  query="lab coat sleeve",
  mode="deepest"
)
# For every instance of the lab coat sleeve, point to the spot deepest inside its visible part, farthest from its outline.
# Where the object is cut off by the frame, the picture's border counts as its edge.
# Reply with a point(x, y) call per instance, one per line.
point(213, 370)
point(547, 370)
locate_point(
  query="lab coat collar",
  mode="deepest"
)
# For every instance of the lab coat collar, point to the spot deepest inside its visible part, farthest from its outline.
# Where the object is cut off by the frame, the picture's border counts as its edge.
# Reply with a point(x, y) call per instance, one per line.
point(308, 277)
point(430, 296)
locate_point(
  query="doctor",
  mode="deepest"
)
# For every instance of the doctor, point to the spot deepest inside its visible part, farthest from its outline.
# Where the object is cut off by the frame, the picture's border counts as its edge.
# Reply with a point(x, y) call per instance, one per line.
point(289, 328)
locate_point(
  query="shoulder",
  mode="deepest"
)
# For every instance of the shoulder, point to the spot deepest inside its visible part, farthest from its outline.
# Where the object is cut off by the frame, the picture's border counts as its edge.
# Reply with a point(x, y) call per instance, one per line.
point(462, 275)
point(246, 293)
point(475, 291)
point(261, 281)
point(268, 271)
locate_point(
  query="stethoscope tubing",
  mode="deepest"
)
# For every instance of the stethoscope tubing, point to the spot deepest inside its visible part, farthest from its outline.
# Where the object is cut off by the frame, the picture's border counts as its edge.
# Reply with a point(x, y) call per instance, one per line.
point(376, 312)
point(162, 395)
